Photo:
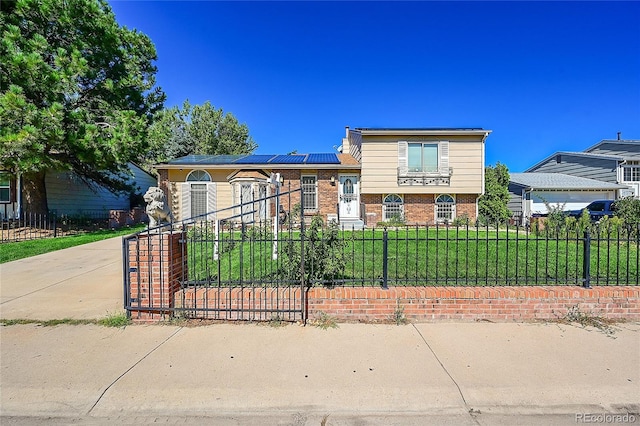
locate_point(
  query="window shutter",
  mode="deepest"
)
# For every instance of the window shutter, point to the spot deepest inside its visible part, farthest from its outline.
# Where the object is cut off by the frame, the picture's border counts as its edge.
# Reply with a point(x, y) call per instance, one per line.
point(402, 155)
point(211, 201)
point(443, 147)
point(185, 211)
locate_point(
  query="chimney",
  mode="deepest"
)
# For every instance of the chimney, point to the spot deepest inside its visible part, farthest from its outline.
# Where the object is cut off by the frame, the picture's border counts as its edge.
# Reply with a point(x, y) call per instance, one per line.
point(619, 133)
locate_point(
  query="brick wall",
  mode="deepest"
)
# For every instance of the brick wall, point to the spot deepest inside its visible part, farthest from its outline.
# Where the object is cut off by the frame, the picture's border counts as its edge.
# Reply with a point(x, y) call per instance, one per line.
point(466, 204)
point(429, 303)
point(474, 303)
point(163, 182)
point(327, 191)
point(156, 265)
point(419, 208)
point(252, 304)
point(373, 208)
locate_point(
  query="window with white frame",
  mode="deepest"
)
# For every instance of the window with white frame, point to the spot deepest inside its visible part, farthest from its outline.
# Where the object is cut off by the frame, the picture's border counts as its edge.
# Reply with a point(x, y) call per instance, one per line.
point(392, 207)
point(631, 173)
point(198, 196)
point(198, 199)
point(252, 194)
point(423, 157)
point(310, 192)
point(445, 208)
point(5, 188)
point(198, 176)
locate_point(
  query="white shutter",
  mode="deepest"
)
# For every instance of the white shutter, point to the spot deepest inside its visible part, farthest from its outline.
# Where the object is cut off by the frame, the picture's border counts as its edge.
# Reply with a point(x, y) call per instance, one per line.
point(185, 209)
point(402, 156)
point(443, 148)
point(211, 201)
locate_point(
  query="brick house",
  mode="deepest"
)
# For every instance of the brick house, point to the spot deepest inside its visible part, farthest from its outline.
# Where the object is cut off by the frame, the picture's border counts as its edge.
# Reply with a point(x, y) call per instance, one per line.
point(417, 175)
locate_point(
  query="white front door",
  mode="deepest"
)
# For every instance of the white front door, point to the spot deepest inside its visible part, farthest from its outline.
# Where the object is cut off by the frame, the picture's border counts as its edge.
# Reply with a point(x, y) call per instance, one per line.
point(349, 197)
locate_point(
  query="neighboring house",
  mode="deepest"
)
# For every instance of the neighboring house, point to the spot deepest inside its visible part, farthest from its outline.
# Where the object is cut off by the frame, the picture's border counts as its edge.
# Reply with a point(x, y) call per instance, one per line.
point(417, 175)
point(531, 192)
point(613, 161)
point(68, 194)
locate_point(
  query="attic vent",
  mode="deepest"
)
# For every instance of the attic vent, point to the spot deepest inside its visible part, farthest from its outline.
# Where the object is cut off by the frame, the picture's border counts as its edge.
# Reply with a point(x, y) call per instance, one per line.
point(558, 158)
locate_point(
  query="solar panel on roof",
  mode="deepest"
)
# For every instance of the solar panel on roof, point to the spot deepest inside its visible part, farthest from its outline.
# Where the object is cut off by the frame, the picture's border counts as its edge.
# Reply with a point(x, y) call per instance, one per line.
point(255, 159)
point(325, 158)
point(288, 159)
point(219, 159)
point(206, 159)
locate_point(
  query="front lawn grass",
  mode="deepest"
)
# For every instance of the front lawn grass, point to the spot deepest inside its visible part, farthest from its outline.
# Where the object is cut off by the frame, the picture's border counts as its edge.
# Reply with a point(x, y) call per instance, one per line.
point(24, 249)
point(418, 257)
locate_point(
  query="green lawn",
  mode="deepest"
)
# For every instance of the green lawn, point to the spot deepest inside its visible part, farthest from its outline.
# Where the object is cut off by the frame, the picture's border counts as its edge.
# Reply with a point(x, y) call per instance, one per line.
point(421, 257)
point(23, 249)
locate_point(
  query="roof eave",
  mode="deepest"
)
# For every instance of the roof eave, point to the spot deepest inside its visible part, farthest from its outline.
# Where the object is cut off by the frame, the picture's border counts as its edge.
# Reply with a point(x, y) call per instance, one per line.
point(257, 166)
point(573, 154)
point(423, 132)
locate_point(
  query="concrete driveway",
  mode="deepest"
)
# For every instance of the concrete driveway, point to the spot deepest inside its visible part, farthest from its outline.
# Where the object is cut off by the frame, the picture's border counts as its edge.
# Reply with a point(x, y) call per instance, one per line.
point(82, 282)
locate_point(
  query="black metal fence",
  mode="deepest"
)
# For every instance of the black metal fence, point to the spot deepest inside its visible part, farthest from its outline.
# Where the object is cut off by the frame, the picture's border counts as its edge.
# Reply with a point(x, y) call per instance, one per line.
point(33, 226)
point(249, 267)
point(228, 265)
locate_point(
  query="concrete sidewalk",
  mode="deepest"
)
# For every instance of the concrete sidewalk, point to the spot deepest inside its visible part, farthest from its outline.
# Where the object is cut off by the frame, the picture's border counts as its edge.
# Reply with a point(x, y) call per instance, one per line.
point(445, 373)
point(430, 373)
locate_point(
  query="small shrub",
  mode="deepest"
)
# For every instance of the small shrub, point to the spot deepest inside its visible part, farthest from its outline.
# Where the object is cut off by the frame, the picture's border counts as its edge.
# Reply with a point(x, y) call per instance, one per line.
point(398, 315)
point(324, 321)
point(555, 221)
point(395, 220)
point(325, 257)
point(628, 209)
point(115, 320)
point(575, 315)
point(461, 221)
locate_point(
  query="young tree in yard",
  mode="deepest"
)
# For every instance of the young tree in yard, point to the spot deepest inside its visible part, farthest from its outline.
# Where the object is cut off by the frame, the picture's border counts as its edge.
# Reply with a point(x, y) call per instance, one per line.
point(77, 92)
point(492, 206)
point(628, 209)
point(196, 129)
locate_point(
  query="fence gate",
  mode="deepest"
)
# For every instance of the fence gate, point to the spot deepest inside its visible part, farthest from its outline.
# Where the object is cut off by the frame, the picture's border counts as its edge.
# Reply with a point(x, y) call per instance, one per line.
point(239, 263)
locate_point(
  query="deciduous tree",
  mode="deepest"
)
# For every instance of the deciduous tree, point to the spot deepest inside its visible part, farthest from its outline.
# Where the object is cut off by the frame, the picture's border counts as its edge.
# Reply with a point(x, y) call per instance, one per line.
point(77, 92)
point(492, 206)
point(197, 129)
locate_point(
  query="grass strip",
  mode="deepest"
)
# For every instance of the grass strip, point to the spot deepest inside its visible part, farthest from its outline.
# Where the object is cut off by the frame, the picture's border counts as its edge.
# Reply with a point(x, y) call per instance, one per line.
point(23, 249)
point(114, 320)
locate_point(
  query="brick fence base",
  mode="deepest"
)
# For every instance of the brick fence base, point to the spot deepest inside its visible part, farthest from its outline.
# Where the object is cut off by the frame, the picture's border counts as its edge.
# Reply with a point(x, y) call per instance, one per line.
point(448, 303)
point(473, 303)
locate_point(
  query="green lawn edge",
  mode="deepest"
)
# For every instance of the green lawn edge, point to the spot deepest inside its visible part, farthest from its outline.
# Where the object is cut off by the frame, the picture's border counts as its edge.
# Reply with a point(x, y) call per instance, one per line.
point(24, 249)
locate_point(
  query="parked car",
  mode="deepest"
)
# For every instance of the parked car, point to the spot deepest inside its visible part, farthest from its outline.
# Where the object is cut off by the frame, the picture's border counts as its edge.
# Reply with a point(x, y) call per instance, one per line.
point(597, 210)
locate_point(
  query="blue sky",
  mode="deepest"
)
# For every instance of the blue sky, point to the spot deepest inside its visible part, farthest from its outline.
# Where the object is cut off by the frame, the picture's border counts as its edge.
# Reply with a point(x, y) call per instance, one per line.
point(543, 76)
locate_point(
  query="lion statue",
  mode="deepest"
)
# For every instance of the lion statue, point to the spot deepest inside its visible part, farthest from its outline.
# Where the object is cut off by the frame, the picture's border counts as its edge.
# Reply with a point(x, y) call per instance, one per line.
point(156, 209)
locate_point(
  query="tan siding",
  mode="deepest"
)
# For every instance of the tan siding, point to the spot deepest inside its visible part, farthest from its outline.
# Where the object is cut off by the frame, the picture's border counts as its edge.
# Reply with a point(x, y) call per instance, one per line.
point(224, 199)
point(380, 162)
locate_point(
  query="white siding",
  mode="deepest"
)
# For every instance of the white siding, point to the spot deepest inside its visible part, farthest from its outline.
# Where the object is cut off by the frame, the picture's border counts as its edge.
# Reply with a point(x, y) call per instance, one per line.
point(566, 200)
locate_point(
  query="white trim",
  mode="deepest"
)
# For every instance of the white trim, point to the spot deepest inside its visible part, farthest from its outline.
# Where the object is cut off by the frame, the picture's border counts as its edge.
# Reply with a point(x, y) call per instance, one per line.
point(315, 177)
point(453, 206)
point(198, 170)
